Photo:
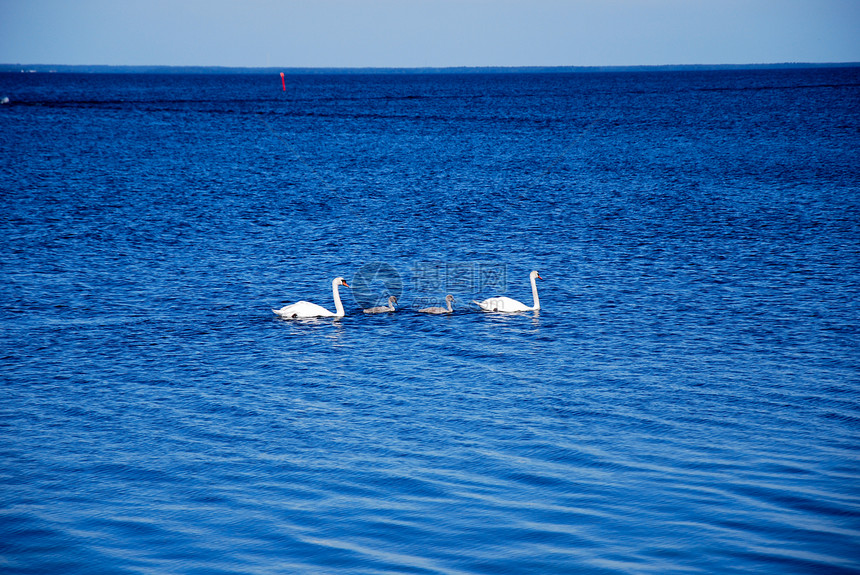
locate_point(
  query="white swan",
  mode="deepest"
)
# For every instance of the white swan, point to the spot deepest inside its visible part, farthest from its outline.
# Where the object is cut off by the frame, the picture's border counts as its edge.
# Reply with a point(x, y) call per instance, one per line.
point(383, 308)
point(448, 299)
point(302, 309)
point(506, 304)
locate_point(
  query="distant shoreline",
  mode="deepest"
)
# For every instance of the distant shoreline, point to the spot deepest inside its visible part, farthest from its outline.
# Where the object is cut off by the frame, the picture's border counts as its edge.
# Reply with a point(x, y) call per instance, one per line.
point(104, 69)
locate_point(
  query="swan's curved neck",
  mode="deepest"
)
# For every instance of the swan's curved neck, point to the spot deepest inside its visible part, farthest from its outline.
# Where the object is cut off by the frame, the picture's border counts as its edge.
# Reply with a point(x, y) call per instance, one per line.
point(338, 306)
point(534, 293)
point(450, 307)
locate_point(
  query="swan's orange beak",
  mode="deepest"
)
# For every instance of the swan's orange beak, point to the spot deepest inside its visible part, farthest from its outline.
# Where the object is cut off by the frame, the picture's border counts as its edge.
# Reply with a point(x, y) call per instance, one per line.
point(343, 282)
point(538, 277)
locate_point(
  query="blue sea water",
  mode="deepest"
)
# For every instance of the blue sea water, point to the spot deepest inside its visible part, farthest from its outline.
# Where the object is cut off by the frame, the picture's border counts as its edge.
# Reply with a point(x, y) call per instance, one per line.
point(687, 399)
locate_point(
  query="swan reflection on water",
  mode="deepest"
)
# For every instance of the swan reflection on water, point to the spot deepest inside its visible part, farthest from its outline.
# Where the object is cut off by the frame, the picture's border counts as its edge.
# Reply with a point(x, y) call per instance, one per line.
point(331, 329)
point(513, 319)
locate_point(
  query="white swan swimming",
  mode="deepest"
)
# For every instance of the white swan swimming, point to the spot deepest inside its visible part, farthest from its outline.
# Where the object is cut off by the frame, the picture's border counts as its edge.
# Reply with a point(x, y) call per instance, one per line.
point(302, 309)
point(506, 304)
point(448, 299)
point(383, 308)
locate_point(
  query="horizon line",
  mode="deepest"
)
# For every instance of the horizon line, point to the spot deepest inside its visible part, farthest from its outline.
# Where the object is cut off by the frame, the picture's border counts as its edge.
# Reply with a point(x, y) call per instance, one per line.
point(96, 68)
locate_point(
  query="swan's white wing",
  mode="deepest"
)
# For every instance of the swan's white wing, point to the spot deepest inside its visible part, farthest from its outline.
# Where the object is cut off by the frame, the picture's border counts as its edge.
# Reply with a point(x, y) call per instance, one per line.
point(303, 309)
point(502, 303)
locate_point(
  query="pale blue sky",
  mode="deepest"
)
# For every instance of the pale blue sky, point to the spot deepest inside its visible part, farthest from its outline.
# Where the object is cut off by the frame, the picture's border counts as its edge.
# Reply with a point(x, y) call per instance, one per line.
point(427, 33)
